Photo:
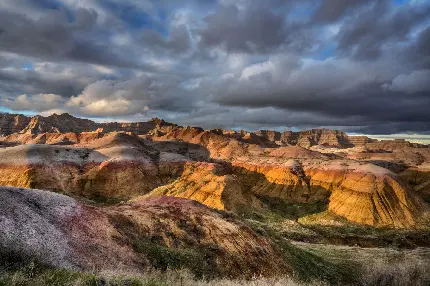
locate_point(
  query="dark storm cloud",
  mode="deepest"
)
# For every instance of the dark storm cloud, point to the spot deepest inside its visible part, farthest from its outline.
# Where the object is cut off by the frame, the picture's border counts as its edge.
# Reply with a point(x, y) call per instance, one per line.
point(419, 53)
point(423, 44)
point(333, 10)
point(365, 35)
point(54, 37)
point(28, 81)
point(177, 42)
point(254, 28)
point(360, 66)
point(415, 82)
point(335, 89)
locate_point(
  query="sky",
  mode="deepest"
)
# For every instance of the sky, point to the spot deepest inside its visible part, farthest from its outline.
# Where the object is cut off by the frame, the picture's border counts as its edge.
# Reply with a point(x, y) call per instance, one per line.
point(359, 66)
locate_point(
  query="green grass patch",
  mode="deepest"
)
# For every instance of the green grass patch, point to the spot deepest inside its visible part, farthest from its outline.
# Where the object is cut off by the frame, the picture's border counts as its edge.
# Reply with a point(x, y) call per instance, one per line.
point(279, 210)
point(308, 267)
point(199, 260)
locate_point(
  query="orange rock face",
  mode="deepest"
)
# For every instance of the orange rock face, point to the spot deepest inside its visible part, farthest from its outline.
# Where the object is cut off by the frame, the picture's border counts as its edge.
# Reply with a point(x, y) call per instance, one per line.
point(209, 184)
point(368, 194)
point(372, 184)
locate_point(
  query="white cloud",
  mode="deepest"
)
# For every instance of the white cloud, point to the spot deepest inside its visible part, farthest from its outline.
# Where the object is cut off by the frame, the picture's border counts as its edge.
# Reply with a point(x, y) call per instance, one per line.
point(38, 102)
point(279, 67)
point(108, 97)
point(104, 69)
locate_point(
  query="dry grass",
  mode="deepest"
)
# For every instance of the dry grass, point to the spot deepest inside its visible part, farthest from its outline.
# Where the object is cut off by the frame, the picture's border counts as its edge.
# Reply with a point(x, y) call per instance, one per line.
point(379, 266)
point(33, 276)
point(408, 272)
point(411, 270)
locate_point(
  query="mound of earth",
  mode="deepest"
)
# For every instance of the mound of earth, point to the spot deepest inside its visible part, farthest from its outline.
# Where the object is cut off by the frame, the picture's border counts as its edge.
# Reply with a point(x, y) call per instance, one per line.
point(163, 232)
point(366, 193)
point(117, 166)
point(210, 184)
point(361, 192)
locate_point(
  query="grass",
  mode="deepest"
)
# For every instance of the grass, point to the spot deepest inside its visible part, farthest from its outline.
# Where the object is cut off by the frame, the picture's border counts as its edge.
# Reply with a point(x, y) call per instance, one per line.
point(313, 223)
point(36, 275)
point(345, 232)
point(19, 270)
point(279, 210)
point(306, 266)
point(377, 272)
point(100, 199)
point(191, 263)
point(280, 225)
point(331, 266)
point(31, 276)
point(310, 264)
point(311, 268)
point(200, 260)
point(411, 272)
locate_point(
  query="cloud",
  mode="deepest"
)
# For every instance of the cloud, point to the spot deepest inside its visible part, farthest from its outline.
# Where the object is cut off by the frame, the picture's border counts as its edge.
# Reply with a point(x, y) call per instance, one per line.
point(107, 97)
point(137, 95)
point(178, 41)
point(365, 35)
point(38, 102)
point(291, 83)
point(44, 77)
point(416, 81)
point(347, 91)
point(361, 66)
point(333, 10)
point(250, 27)
point(54, 37)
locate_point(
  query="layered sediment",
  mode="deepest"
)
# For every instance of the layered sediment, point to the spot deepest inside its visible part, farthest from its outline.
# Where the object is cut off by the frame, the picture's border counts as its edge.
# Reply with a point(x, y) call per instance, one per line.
point(365, 181)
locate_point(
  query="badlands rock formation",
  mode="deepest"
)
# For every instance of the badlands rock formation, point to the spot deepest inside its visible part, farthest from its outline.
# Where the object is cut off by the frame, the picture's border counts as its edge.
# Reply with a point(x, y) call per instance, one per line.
point(12, 123)
point(64, 123)
point(62, 232)
point(116, 166)
point(363, 180)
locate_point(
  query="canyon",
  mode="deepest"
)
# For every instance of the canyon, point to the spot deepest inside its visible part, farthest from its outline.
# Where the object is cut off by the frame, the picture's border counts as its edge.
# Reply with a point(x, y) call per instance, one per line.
point(108, 183)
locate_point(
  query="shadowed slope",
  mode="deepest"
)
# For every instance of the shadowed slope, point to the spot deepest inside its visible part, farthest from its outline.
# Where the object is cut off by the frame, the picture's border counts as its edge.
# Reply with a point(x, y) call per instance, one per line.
point(162, 232)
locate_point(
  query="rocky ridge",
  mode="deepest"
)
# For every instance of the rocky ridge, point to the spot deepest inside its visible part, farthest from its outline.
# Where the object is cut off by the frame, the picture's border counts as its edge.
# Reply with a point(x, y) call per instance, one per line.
point(226, 170)
point(66, 123)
